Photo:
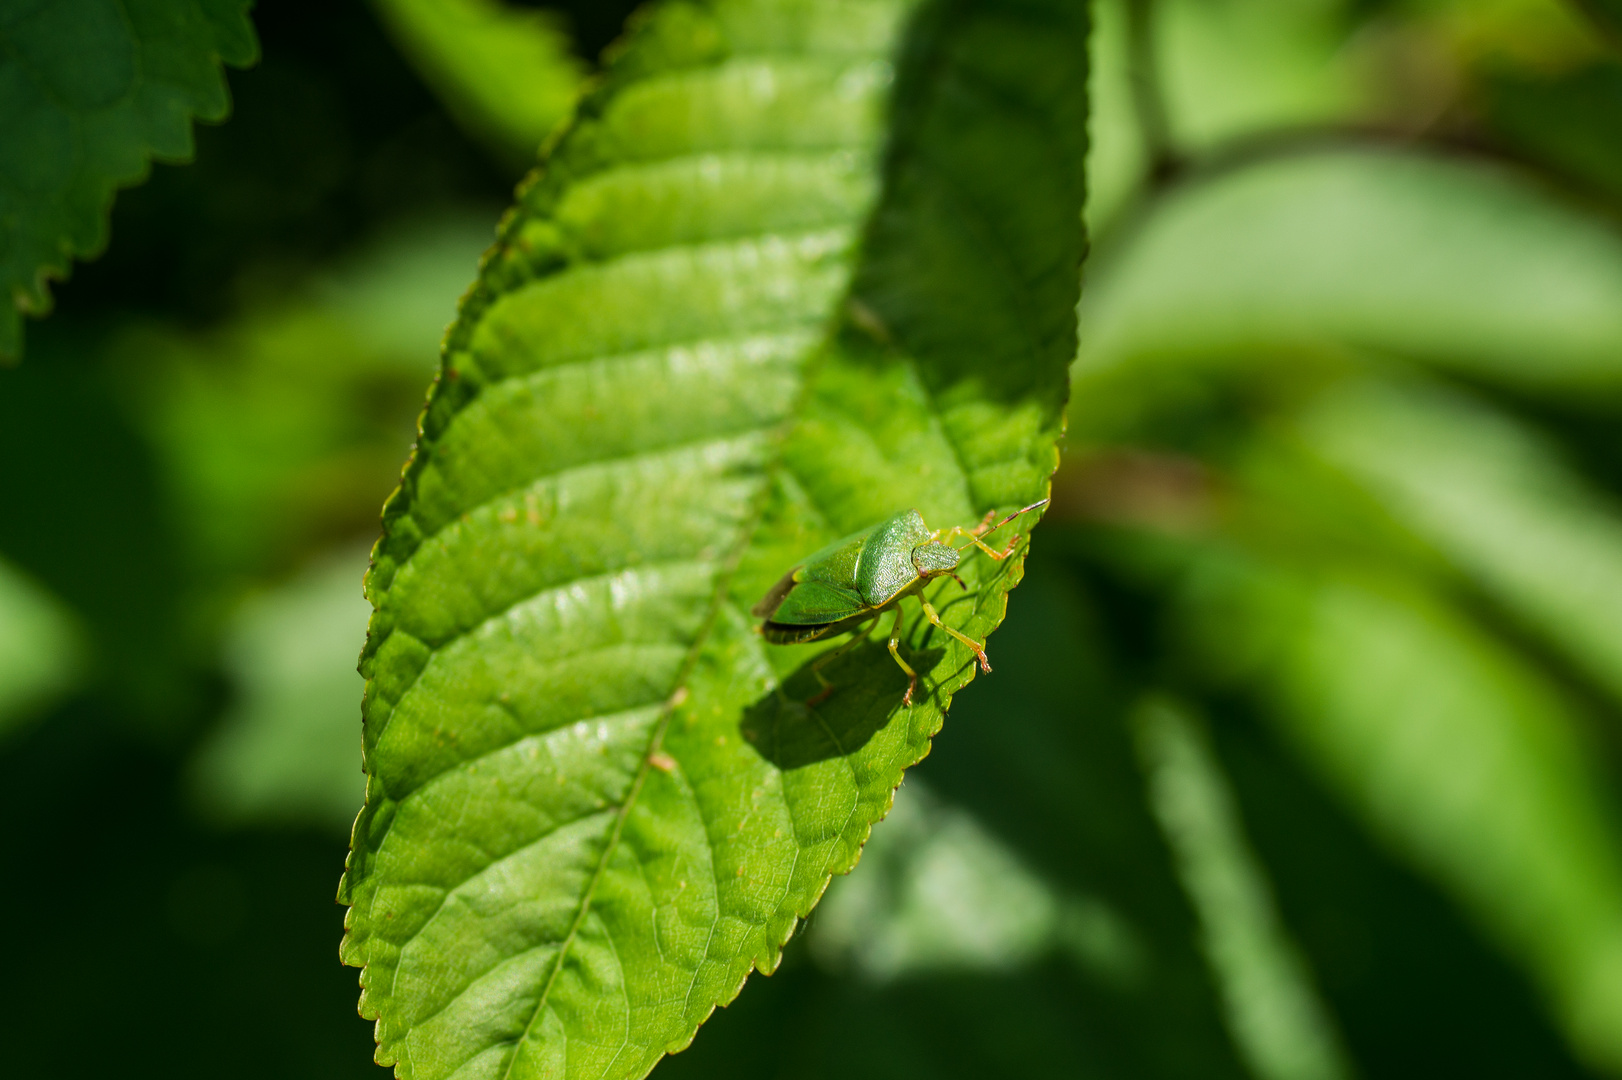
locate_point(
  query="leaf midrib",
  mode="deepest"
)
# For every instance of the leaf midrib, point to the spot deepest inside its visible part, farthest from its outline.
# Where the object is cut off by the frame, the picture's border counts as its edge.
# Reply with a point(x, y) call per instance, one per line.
point(656, 739)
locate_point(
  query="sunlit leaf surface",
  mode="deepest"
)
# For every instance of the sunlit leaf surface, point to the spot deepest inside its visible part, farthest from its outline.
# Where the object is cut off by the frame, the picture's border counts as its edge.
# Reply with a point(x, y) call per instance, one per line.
point(595, 798)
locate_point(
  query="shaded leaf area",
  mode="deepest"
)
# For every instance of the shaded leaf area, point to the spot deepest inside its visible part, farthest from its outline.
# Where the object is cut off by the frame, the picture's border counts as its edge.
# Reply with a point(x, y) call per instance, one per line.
point(595, 799)
point(1515, 827)
point(1414, 988)
point(91, 92)
point(506, 73)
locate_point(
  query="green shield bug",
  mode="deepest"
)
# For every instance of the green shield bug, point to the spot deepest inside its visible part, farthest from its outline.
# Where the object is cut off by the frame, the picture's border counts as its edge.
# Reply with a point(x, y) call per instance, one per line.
point(846, 586)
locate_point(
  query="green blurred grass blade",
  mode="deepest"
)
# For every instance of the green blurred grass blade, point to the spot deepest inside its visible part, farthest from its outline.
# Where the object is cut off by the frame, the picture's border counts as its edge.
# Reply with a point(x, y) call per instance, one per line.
point(91, 92)
point(589, 811)
point(42, 648)
point(1495, 500)
point(1451, 263)
point(1275, 1015)
point(506, 73)
point(1452, 750)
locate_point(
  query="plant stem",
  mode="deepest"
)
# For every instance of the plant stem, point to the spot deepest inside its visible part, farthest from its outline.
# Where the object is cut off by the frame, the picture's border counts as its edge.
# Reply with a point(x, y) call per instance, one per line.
point(1147, 100)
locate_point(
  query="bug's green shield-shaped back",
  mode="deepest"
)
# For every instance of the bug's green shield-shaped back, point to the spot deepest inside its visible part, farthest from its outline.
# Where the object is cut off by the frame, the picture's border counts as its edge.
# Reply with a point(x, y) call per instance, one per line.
point(857, 573)
point(885, 569)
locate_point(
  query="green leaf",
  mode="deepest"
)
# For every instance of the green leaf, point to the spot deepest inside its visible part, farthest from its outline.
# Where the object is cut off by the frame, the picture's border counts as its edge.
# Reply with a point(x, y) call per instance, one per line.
point(1275, 1014)
point(1451, 749)
point(1495, 500)
point(505, 73)
point(1451, 263)
point(286, 751)
point(91, 91)
point(595, 801)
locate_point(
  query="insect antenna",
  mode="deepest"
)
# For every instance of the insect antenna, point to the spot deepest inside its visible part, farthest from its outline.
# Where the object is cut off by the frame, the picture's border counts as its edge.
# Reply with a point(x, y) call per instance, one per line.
point(984, 529)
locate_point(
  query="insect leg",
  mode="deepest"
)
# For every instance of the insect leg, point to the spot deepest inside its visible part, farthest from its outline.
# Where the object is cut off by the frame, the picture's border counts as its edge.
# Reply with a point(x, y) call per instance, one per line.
point(979, 651)
point(895, 639)
point(981, 544)
point(857, 635)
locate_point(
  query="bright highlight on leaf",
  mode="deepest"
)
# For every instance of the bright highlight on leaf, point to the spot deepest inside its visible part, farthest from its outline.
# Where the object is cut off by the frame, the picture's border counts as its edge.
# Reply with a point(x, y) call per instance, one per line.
point(720, 330)
point(91, 91)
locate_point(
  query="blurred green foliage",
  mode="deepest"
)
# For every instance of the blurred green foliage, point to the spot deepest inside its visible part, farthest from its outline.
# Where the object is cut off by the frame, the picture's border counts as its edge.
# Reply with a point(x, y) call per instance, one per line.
point(506, 73)
point(1302, 754)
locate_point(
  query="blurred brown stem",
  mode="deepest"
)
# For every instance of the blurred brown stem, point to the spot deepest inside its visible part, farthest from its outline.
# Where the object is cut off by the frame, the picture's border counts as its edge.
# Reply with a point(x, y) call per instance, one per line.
point(1147, 100)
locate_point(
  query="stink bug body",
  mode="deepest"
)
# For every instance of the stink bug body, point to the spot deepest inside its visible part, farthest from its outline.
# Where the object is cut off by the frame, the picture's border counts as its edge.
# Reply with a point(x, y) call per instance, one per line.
point(847, 585)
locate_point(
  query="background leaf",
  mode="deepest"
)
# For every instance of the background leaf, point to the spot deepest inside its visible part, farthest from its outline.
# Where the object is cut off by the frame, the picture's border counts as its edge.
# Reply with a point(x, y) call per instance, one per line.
point(641, 423)
point(1410, 255)
point(1375, 683)
point(506, 73)
point(91, 91)
point(1495, 499)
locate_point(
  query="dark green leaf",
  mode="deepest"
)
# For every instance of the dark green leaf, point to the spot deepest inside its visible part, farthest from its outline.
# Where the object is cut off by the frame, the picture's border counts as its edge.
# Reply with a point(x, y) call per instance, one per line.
point(91, 91)
point(1570, 123)
point(595, 801)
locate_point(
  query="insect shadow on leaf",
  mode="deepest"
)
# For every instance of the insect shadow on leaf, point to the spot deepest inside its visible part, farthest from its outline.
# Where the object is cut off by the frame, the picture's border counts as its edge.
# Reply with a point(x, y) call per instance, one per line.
point(790, 733)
